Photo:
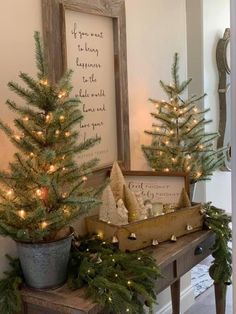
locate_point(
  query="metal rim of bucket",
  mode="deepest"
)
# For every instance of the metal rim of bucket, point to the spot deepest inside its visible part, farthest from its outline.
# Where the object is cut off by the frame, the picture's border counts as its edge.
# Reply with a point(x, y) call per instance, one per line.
point(48, 241)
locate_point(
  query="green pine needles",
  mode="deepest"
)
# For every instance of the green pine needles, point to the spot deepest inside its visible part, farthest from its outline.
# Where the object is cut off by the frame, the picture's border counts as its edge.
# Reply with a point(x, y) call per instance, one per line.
point(119, 281)
point(44, 189)
point(179, 140)
point(218, 221)
point(10, 298)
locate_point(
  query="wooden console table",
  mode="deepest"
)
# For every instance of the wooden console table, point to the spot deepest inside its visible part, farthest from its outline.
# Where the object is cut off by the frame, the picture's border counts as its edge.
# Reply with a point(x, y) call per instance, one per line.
point(174, 259)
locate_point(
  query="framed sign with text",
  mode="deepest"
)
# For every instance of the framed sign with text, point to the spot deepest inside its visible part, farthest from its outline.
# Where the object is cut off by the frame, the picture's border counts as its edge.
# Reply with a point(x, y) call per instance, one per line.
point(89, 37)
point(157, 187)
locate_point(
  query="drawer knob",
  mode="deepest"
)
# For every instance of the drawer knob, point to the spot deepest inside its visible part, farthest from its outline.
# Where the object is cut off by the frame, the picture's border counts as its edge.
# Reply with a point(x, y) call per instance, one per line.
point(198, 250)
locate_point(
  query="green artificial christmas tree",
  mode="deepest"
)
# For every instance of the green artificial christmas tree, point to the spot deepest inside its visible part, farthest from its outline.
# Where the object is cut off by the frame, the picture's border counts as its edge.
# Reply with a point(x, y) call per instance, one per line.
point(44, 189)
point(179, 139)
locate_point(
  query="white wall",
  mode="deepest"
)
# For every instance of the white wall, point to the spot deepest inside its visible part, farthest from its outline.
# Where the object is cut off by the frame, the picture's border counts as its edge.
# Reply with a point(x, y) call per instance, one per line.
point(216, 17)
point(156, 29)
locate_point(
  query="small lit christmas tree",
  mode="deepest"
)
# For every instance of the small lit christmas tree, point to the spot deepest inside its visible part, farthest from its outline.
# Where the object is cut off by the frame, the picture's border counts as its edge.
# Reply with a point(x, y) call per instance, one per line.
point(179, 139)
point(44, 189)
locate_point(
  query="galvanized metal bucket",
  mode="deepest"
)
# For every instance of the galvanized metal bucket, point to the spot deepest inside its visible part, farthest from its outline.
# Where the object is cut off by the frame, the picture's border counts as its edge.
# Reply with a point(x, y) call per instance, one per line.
point(44, 264)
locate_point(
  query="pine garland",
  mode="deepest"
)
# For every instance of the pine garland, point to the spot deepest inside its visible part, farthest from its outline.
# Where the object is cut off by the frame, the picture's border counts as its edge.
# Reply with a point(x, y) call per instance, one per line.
point(120, 282)
point(219, 222)
point(117, 280)
point(10, 298)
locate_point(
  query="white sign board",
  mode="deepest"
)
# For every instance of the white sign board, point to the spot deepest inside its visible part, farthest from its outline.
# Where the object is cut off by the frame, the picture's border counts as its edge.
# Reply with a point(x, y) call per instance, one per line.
point(157, 189)
point(90, 53)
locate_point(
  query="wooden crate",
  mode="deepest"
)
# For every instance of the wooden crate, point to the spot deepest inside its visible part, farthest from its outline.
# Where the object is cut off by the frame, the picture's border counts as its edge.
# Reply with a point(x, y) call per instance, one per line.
point(159, 228)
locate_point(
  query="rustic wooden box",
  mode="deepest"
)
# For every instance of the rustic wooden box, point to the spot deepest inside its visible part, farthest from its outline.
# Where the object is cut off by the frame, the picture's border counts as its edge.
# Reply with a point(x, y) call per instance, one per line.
point(159, 228)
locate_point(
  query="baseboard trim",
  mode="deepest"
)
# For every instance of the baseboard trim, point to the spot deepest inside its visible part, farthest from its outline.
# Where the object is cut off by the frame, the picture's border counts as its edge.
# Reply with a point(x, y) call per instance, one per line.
point(186, 301)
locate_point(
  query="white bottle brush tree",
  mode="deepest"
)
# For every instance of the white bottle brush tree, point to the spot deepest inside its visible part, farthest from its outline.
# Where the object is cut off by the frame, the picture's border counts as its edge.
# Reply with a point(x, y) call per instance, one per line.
point(179, 139)
point(44, 189)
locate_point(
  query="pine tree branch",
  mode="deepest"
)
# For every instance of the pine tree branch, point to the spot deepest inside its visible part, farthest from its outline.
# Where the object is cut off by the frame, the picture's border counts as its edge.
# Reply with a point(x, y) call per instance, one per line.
point(40, 57)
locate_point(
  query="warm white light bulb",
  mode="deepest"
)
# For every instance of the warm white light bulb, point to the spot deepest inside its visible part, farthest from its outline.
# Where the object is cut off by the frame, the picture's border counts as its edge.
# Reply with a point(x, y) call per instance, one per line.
point(62, 118)
point(61, 94)
point(48, 118)
point(44, 225)
point(52, 168)
point(67, 134)
point(84, 178)
point(40, 133)
point(26, 118)
point(57, 132)
point(38, 192)
point(43, 82)
point(198, 174)
point(21, 213)
point(64, 195)
point(17, 137)
point(9, 192)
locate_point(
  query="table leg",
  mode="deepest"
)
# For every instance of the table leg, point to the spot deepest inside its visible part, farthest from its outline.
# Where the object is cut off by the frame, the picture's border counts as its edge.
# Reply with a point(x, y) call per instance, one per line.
point(175, 296)
point(220, 296)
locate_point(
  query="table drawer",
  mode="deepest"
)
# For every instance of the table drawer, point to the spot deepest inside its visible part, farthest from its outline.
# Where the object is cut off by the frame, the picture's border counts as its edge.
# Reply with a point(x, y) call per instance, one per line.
point(194, 256)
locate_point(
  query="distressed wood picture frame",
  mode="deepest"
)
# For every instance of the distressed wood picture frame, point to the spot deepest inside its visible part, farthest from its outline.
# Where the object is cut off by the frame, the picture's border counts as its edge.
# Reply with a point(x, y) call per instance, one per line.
point(163, 187)
point(55, 42)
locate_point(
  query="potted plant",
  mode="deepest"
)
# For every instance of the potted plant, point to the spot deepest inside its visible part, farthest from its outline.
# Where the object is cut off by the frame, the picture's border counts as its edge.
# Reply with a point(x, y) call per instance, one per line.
point(179, 139)
point(44, 190)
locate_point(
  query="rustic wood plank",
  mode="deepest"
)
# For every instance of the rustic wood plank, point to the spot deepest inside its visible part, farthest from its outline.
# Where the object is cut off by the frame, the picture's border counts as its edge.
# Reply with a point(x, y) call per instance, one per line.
point(148, 229)
point(62, 300)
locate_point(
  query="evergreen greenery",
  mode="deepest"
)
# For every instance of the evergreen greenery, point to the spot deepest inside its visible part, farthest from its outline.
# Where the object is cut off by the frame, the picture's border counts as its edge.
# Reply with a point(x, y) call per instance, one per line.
point(10, 299)
point(121, 282)
point(44, 189)
point(219, 222)
point(179, 140)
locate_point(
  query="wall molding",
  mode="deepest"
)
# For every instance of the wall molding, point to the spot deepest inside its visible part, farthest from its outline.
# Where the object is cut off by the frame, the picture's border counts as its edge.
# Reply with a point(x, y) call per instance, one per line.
point(186, 301)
